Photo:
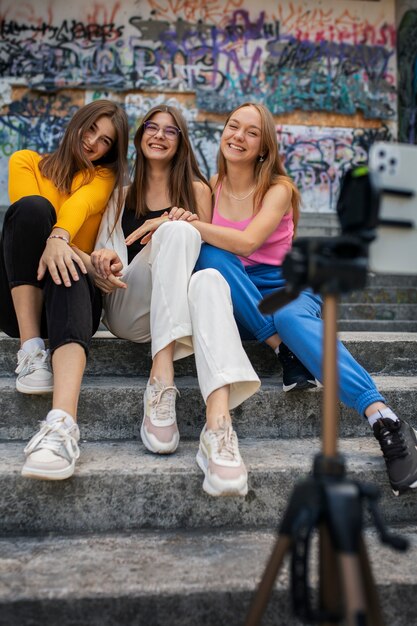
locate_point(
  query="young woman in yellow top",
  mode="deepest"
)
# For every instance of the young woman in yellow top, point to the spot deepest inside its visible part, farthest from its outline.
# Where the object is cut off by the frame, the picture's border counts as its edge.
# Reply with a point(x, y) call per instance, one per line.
point(46, 292)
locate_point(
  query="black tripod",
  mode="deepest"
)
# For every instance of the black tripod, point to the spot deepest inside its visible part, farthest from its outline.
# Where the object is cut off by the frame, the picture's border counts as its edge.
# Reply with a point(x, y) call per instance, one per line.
point(332, 503)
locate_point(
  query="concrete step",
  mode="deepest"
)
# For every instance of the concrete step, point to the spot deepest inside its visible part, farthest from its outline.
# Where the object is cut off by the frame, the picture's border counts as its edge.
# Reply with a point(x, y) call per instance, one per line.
point(172, 578)
point(383, 311)
point(378, 352)
point(382, 295)
point(393, 280)
point(112, 408)
point(119, 485)
point(312, 224)
point(382, 326)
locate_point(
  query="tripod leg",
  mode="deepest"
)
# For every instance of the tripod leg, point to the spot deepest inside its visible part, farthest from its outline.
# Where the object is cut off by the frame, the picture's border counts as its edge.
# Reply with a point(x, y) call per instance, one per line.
point(330, 419)
point(353, 591)
point(329, 576)
point(370, 587)
point(261, 598)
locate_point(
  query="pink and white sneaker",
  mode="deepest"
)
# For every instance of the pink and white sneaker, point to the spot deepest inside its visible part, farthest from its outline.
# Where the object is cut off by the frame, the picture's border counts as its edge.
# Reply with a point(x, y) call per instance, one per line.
point(159, 430)
point(219, 458)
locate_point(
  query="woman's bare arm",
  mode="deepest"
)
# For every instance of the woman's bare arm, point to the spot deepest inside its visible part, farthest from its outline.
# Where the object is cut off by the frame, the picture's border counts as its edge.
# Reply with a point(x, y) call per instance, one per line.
point(204, 197)
point(276, 203)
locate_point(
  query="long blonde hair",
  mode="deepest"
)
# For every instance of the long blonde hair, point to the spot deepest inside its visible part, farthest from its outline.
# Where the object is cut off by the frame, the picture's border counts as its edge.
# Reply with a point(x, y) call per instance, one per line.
point(269, 170)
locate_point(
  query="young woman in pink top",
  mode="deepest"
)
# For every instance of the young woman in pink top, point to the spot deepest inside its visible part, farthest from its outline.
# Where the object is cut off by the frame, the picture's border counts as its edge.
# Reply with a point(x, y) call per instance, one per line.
point(254, 218)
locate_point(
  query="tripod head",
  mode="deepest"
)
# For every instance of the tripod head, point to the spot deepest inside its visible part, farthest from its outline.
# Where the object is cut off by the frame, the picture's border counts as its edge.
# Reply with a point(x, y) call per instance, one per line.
point(379, 197)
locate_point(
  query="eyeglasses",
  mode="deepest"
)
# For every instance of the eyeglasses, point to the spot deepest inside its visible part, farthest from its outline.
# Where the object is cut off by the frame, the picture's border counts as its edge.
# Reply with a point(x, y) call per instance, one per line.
point(170, 132)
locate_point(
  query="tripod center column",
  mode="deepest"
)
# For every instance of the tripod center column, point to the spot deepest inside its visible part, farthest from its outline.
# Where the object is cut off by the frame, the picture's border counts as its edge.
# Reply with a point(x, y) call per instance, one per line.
point(330, 377)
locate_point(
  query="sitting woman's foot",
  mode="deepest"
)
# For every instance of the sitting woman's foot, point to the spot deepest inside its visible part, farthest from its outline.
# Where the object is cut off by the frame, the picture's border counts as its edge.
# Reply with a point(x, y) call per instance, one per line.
point(159, 430)
point(34, 372)
point(294, 374)
point(52, 452)
point(219, 458)
point(398, 441)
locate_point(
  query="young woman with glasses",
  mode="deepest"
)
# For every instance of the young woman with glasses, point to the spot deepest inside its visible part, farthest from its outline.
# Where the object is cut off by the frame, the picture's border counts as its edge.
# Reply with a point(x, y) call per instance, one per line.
point(47, 287)
point(162, 301)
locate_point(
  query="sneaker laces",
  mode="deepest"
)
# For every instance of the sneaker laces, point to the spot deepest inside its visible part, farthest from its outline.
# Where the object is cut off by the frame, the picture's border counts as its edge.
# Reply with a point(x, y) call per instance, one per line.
point(390, 438)
point(164, 402)
point(52, 437)
point(227, 443)
point(38, 359)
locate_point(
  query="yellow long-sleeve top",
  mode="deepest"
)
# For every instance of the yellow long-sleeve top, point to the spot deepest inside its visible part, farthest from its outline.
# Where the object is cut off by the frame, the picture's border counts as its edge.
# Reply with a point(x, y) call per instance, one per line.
point(78, 212)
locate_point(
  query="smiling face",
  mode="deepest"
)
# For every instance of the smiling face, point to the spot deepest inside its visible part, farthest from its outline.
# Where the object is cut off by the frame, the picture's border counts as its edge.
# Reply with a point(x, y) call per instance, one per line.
point(241, 137)
point(98, 139)
point(160, 145)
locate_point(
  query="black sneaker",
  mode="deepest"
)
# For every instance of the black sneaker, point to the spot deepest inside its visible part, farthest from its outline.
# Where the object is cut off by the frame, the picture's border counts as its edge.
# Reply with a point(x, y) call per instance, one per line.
point(398, 443)
point(294, 374)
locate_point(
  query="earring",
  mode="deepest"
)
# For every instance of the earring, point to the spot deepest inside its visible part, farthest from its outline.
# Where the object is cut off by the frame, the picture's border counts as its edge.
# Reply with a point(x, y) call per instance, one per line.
point(261, 158)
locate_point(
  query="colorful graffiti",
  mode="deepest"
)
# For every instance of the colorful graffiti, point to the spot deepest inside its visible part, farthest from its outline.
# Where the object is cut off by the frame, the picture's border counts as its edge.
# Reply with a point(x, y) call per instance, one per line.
point(341, 62)
point(206, 57)
point(315, 157)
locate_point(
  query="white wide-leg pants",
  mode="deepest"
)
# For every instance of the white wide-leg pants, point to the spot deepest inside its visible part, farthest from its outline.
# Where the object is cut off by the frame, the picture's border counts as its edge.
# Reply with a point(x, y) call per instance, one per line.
point(165, 302)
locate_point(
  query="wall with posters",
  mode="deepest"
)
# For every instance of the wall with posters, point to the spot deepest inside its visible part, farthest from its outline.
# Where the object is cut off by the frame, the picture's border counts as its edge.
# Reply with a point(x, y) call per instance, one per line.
point(326, 69)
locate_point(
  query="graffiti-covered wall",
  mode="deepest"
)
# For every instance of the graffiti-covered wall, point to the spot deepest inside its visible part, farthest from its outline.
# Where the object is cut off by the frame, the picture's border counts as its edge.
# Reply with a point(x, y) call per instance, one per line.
point(327, 69)
point(407, 62)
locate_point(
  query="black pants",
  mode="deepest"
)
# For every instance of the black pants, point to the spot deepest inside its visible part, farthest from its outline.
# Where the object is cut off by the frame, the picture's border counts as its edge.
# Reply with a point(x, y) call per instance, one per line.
point(70, 314)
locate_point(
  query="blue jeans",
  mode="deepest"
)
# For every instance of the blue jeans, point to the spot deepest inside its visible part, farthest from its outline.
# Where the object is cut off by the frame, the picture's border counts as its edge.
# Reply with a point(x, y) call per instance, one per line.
point(299, 324)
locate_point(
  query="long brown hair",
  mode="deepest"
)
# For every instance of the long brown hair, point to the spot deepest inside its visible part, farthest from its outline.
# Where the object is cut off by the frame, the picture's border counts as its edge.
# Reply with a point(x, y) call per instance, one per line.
point(270, 170)
point(184, 168)
point(68, 159)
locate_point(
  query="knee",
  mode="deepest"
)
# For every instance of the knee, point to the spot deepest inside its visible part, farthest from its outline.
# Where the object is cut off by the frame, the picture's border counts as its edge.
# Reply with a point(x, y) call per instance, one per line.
point(208, 282)
point(83, 287)
point(177, 231)
point(31, 211)
point(285, 317)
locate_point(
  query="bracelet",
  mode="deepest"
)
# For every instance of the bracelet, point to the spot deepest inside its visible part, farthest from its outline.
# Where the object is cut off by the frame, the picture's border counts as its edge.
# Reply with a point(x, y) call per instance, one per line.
point(58, 237)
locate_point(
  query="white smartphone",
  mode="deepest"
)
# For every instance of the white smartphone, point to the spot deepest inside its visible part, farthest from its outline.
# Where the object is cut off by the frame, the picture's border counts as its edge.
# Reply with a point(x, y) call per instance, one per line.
point(394, 168)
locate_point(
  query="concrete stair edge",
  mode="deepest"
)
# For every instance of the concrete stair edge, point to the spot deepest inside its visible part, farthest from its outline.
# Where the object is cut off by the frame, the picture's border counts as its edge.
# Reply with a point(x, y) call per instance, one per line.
point(119, 485)
point(112, 408)
point(384, 311)
point(177, 578)
point(376, 351)
point(377, 325)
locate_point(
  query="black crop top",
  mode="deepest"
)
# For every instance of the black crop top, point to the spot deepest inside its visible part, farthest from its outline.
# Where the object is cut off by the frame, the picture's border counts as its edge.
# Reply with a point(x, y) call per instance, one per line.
point(130, 223)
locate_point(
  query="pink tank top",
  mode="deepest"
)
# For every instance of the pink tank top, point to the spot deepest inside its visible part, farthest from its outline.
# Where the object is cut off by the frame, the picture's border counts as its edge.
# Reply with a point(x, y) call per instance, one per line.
point(273, 249)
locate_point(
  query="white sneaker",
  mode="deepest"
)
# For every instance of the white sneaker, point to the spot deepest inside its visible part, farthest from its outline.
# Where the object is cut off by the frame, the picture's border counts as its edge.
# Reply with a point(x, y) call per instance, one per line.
point(52, 452)
point(159, 430)
point(34, 373)
point(219, 458)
